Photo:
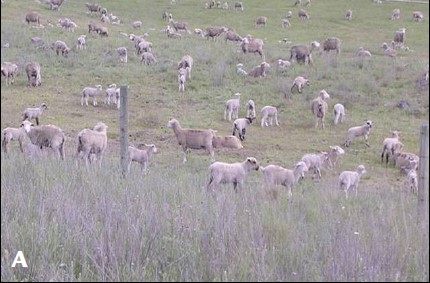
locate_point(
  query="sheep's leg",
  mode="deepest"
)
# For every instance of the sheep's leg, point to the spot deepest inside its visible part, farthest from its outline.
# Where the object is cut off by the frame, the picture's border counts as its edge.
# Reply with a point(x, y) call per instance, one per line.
point(94, 101)
point(276, 120)
point(129, 166)
point(271, 121)
point(290, 194)
point(185, 156)
point(212, 153)
point(262, 122)
point(4, 145)
point(366, 137)
point(37, 121)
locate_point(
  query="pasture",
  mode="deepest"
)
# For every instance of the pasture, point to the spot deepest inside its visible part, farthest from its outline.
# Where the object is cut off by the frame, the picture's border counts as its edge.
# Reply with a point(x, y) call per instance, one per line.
point(79, 224)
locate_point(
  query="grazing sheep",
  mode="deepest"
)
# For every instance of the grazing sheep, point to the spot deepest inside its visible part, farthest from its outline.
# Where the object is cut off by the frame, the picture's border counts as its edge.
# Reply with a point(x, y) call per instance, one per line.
point(92, 7)
point(143, 46)
point(350, 179)
point(34, 113)
point(82, 42)
point(348, 15)
point(141, 156)
point(285, 23)
point(252, 46)
point(388, 51)
point(358, 131)
point(200, 32)
point(338, 113)
point(60, 46)
point(214, 32)
point(315, 161)
point(105, 19)
point(233, 36)
point(396, 14)
point(92, 142)
point(303, 15)
point(259, 71)
point(182, 78)
point(261, 21)
point(277, 175)
point(361, 52)
point(88, 92)
point(45, 136)
point(67, 24)
point(186, 63)
point(240, 124)
point(405, 161)
point(300, 82)
point(283, 65)
point(137, 24)
point(250, 109)
point(235, 173)
point(103, 31)
point(32, 17)
point(399, 38)
point(13, 134)
point(122, 53)
point(240, 71)
point(178, 26)
point(92, 26)
point(192, 138)
point(238, 6)
point(148, 58)
point(332, 43)
point(388, 146)
point(301, 53)
point(319, 107)
point(268, 113)
point(33, 74)
point(227, 142)
point(9, 70)
point(54, 4)
point(418, 16)
point(231, 107)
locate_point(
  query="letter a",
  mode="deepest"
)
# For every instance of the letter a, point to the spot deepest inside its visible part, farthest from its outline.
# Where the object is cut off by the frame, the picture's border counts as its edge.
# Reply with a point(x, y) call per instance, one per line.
point(19, 258)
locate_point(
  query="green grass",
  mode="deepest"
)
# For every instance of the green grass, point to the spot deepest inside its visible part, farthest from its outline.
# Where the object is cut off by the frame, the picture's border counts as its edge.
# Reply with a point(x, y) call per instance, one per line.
point(75, 224)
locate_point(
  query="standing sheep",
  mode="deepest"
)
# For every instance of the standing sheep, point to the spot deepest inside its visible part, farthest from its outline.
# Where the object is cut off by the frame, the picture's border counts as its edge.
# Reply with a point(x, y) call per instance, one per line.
point(348, 15)
point(299, 82)
point(418, 16)
point(9, 70)
point(231, 107)
point(332, 43)
point(363, 130)
point(186, 63)
point(319, 107)
point(141, 156)
point(240, 124)
point(13, 134)
point(316, 161)
point(261, 21)
point(238, 6)
point(399, 38)
point(226, 173)
point(396, 14)
point(259, 71)
point(92, 142)
point(182, 78)
point(338, 113)
point(303, 15)
point(34, 113)
point(388, 146)
point(252, 46)
point(60, 46)
point(88, 92)
point(112, 95)
point(82, 42)
point(148, 58)
point(233, 36)
point(250, 108)
point(122, 53)
point(214, 32)
point(268, 113)
point(32, 17)
point(33, 74)
point(350, 179)
point(301, 53)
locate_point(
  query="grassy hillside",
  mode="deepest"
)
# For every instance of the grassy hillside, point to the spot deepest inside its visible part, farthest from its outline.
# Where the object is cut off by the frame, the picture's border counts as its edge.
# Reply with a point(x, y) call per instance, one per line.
point(75, 224)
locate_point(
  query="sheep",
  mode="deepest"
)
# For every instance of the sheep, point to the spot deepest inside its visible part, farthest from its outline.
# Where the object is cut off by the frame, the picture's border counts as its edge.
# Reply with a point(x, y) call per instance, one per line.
point(192, 138)
point(332, 43)
point(250, 109)
point(388, 146)
point(34, 113)
point(214, 32)
point(171, 34)
point(225, 5)
point(297, 2)
point(143, 46)
point(399, 38)
point(55, 4)
point(333, 155)
point(350, 179)
point(45, 136)
point(182, 78)
point(358, 131)
point(122, 53)
point(13, 134)
point(240, 71)
point(226, 142)
point(289, 15)
point(232, 36)
point(361, 52)
point(301, 53)
point(111, 94)
point(235, 173)
point(300, 82)
point(261, 21)
point(240, 124)
point(348, 15)
point(338, 113)
point(141, 156)
point(92, 7)
point(103, 31)
point(303, 15)
point(105, 19)
point(412, 181)
point(32, 17)
point(92, 142)
point(114, 19)
point(396, 14)
point(319, 107)
point(238, 6)
point(92, 26)
point(388, 51)
point(252, 46)
point(186, 63)
point(259, 71)
point(277, 175)
point(136, 24)
point(405, 161)
point(283, 65)
point(60, 46)
point(82, 42)
point(199, 31)
point(268, 113)
point(166, 16)
point(178, 26)
point(34, 77)
point(88, 92)
point(316, 161)
point(148, 58)
point(37, 40)
point(285, 23)
point(9, 70)
point(231, 107)
point(418, 16)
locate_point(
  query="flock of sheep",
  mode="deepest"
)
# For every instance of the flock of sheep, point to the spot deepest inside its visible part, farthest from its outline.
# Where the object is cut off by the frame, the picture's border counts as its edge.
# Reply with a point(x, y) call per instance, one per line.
point(92, 143)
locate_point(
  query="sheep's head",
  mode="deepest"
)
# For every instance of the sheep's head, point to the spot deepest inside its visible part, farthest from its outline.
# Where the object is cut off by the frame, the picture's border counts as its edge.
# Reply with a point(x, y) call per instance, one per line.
point(252, 161)
point(43, 106)
point(27, 125)
point(324, 95)
point(152, 147)
point(302, 168)
point(361, 169)
point(337, 149)
point(369, 123)
point(100, 127)
point(395, 134)
point(172, 122)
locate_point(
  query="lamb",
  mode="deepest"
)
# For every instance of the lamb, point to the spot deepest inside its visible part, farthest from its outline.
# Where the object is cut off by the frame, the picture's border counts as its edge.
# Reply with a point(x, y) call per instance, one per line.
point(277, 175)
point(143, 46)
point(214, 32)
point(92, 142)
point(358, 131)
point(303, 15)
point(45, 136)
point(301, 53)
point(9, 70)
point(226, 142)
point(122, 53)
point(112, 94)
point(92, 7)
point(171, 34)
point(361, 52)
point(32, 17)
point(388, 146)
point(114, 19)
point(388, 51)
point(235, 173)
point(232, 107)
point(13, 134)
point(412, 181)
point(232, 36)
point(350, 179)
point(186, 63)
point(250, 109)
point(418, 16)
point(405, 161)
point(148, 58)
point(192, 138)
point(55, 4)
point(200, 32)
point(238, 6)
point(61, 46)
point(137, 24)
point(105, 19)
point(240, 71)
point(240, 124)
point(178, 26)
point(261, 21)
point(316, 161)
point(88, 92)
point(332, 43)
point(252, 46)
point(285, 23)
point(141, 156)
point(259, 71)
point(82, 42)
point(338, 113)
point(268, 113)
point(399, 38)
point(33, 74)
point(182, 78)
point(348, 15)
point(333, 155)
point(34, 113)
point(300, 82)
point(319, 107)
point(396, 14)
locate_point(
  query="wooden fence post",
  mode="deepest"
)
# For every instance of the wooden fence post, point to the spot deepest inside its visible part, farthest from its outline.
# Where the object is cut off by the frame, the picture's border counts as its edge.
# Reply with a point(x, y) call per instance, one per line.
point(123, 128)
point(423, 185)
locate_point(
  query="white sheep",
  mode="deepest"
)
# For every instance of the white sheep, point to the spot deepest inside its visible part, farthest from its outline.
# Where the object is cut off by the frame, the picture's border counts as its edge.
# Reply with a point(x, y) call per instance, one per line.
point(350, 179)
point(334, 154)
point(231, 107)
point(395, 15)
point(172, 34)
point(417, 16)
point(285, 22)
point(82, 42)
point(34, 113)
point(388, 51)
point(338, 113)
point(405, 161)
point(232, 36)
point(303, 15)
point(234, 173)
point(182, 78)
point(283, 65)
point(88, 92)
point(32, 17)
point(33, 74)
point(399, 38)
point(148, 58)
point(348, 14)
point(240, 71)
point(186, 63)
point(412, 181)
point(122, 53)
point(332, 43)
point(137, 24)
point(300, 82)
point(214, 32)
point(259, 71)
point(226, 142)
point(250, 108)
point(277, 175)
point(111, 94)
point(252, 45)
point(358, 131)
point(178, 26)
point(316, 161)
point(268, 113)
point(13, 134)
point(61, 46)
point(199, 31)
point(319, 107)
point(361, 52)
point(141, 156)
point(143, 46)
point(45, 136)
point(261, 21)
point(388, 146)
point(92, 142)
point(240, 124)
point(303, 53)
point(192, 138)
point(10, 71)
point(238, 6)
